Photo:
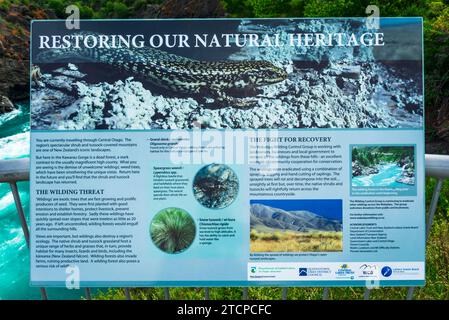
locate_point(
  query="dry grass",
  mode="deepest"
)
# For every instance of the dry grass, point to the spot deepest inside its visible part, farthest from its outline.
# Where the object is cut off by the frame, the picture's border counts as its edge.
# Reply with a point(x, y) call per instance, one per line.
point(290, 241)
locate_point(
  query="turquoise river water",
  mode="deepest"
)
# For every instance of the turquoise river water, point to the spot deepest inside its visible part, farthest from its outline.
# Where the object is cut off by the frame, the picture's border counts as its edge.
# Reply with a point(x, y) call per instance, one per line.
point(14, 254)
point(388, 173)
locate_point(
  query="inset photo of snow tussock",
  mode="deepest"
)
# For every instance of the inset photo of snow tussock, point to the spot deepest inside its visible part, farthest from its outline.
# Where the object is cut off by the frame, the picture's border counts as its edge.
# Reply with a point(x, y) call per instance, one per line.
point(383, 166)
point(172, 230)
point(296, 226)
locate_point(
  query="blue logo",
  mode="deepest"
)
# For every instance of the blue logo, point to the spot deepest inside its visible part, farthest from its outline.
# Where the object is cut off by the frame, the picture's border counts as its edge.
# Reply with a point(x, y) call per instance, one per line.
point(302, 272)
point(386, 271)
point(253, 269)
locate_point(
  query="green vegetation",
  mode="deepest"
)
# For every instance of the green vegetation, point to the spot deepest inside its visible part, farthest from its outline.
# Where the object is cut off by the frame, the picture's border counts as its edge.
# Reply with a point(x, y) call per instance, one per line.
point(6, 4)
point(172, 230)
point(372, 156)
point(291, 241)
point(98, 9)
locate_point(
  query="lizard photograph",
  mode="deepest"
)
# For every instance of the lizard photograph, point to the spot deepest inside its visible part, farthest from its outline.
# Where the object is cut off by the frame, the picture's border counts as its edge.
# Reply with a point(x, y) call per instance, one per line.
point(237, 84)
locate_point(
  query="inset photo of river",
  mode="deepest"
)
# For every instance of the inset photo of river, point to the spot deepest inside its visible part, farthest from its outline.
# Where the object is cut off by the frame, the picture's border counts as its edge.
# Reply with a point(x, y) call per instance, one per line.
point(383, 166)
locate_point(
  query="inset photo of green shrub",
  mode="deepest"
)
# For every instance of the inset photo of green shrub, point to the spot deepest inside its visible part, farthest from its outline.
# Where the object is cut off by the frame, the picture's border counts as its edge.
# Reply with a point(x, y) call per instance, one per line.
point(172, 230)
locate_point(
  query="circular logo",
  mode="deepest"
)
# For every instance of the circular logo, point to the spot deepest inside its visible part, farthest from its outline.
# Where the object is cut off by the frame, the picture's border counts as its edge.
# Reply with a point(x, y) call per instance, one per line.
point(386, 271)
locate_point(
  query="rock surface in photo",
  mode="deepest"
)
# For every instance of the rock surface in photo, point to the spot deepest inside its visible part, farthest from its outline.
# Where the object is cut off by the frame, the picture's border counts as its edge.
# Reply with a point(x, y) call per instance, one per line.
point(5, 105)
point(408, 171)
point(360, 170)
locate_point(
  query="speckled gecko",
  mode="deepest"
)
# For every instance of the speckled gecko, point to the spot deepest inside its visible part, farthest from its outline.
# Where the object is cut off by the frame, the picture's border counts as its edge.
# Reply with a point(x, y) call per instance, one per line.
point(229, 82)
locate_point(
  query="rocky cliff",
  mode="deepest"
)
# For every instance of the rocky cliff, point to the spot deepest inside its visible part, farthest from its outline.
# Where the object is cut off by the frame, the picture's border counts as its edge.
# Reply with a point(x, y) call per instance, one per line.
point(14, 37)
point(14, 48)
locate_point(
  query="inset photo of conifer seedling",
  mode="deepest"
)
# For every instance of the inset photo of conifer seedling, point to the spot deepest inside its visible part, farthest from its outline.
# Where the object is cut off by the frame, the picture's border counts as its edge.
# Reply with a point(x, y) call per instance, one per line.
point(172, 230)
point(215, 186)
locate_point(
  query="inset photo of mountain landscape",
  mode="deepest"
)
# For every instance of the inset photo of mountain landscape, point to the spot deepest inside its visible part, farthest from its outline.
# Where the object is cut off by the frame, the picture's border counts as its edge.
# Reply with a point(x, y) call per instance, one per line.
point(296, 225)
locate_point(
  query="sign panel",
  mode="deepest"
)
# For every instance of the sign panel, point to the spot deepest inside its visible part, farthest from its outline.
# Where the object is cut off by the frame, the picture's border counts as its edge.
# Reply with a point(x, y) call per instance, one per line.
point(227, 152)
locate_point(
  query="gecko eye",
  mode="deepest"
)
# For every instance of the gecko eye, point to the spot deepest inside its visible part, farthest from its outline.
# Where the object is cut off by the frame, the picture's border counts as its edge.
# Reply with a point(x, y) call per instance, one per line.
point(274, 75)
